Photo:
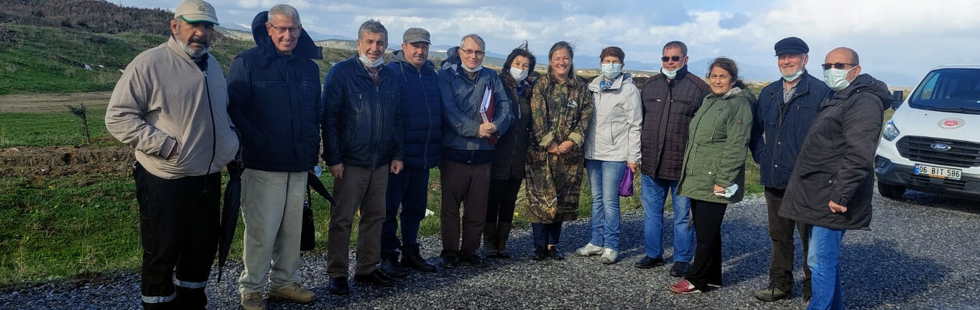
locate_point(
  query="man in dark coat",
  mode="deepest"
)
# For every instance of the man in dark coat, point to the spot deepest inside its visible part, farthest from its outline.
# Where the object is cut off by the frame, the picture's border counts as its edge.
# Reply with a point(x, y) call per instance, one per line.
point(670, 100)
point(779, 124)
point(423, 139)
point(832, 184)
point(363, 140)
point(275, 104)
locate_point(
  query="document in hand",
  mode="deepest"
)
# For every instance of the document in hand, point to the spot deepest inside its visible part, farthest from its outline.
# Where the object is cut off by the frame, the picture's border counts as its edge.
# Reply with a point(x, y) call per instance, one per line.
point(487, 110)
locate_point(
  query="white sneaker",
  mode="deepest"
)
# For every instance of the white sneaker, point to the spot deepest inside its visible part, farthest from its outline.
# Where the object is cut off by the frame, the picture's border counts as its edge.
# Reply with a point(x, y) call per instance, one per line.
point(589, 250)
point(608, 256)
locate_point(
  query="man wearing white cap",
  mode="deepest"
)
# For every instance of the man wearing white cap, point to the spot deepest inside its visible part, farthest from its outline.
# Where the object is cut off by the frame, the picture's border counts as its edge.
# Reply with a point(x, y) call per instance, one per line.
point(170, 106)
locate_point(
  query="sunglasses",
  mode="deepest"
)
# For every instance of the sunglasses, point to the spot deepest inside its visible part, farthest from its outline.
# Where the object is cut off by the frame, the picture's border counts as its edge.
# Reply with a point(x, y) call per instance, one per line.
point(673, 58)
point(837, 65)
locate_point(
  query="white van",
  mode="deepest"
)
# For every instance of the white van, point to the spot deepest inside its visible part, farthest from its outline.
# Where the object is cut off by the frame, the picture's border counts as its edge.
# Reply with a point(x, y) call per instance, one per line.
point(932, 142)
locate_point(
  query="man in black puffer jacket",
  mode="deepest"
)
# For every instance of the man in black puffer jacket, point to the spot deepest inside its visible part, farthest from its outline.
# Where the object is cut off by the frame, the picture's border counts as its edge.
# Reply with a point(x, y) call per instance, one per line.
point(832, 184)
point(275, 104)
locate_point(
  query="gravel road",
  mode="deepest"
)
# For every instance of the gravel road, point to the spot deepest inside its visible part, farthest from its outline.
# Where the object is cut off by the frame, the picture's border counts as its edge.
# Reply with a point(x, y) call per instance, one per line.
point(922, 253)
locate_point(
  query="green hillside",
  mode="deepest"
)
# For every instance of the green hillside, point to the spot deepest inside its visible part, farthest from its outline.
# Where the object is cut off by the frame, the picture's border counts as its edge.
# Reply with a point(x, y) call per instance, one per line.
point(37, 59)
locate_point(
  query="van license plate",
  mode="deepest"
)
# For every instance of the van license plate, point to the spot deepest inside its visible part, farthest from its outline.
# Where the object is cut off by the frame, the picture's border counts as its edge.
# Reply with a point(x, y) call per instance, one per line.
point(938, 172)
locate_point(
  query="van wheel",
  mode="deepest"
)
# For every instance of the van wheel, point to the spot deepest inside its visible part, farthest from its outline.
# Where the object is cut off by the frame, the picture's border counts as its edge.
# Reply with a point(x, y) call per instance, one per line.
point(891, 191)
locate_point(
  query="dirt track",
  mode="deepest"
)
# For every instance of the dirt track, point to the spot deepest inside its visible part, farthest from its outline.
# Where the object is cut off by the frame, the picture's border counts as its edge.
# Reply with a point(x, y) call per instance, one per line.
point(51, 102)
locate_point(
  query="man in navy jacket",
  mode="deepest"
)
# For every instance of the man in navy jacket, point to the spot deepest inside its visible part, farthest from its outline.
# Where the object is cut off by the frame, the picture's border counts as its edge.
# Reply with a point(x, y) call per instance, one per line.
point(275, 104)
point(780, 122)
point(423, 138)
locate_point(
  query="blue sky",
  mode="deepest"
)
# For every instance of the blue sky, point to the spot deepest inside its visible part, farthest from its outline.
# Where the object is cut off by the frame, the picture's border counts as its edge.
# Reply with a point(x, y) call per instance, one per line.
point(898, 41)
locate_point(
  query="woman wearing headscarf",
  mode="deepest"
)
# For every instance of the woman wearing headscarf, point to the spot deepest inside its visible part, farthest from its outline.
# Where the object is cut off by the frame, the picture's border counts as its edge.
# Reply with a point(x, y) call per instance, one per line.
point(507, 168)
point(713, 173)
point(561, 108)
point(612, 145)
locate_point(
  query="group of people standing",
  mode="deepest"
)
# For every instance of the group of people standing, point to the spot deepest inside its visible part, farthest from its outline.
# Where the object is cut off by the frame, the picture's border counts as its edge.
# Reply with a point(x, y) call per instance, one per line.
point(384, 126)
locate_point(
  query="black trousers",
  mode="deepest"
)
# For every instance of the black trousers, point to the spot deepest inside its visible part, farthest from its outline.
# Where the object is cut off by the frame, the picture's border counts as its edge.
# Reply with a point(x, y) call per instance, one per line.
point(179, 222)
point(546, 234)
point(502, 200)
point(781, 233)
point(706, 268)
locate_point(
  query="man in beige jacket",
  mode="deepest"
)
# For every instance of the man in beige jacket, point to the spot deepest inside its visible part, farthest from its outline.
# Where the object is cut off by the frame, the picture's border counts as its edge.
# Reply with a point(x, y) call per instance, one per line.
point(170, 105)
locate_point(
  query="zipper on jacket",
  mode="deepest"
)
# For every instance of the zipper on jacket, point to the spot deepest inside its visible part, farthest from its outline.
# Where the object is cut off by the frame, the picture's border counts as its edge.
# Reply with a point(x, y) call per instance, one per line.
point(779, 125)
point(214, 128)
point(428, 130)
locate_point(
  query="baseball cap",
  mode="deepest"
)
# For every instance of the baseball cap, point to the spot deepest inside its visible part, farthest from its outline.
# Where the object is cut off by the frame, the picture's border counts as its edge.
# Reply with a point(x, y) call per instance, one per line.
point(196, 11)
point(413, 35)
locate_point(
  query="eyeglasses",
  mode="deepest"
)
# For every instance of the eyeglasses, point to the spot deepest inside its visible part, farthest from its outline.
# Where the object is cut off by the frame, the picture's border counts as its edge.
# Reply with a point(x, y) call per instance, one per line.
point(281, 30)
point(471, 52)
point(672, 58)
point(837, 65)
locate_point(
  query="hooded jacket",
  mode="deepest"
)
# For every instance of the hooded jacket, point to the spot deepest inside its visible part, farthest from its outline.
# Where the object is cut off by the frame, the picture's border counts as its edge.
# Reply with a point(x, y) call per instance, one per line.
point(275, 102)
point(461, 98)
point(614, 132)
point(668, 107)
point(837, 159)
point(422, 111)
point(778, 128)
point(717, 147)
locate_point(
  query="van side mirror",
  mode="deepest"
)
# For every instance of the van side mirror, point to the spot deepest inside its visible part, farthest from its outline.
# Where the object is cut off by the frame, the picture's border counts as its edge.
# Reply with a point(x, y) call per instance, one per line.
point(897, 97)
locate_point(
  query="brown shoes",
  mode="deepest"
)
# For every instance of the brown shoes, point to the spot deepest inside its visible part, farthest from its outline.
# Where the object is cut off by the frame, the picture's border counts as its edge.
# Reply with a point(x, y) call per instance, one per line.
point(291, 292)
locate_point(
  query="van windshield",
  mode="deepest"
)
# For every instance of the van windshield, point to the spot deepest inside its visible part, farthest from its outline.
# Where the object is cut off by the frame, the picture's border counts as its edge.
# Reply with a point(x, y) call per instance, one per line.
point(949, 90)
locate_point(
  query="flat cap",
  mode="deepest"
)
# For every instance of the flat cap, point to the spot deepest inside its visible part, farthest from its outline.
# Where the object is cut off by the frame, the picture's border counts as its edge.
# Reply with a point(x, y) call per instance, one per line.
point(791, 45)
point(413, 35)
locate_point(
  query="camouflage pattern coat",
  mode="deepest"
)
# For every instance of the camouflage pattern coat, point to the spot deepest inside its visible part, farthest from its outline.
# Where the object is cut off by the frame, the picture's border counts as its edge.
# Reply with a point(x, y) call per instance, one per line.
point(559, 112)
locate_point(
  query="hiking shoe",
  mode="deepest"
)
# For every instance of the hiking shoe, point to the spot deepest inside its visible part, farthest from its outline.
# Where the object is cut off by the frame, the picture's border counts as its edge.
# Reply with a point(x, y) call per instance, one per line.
point(588, 250)
point(649, 262)
point(555, 253)
point(391, 268)
point(376, 278)
point(683, 287)
point(608, 256)
point(450, 261)
point(415, 261)
point(539, 253)
point(771, 294)
point(679, 269)
point(253, 301)
point(293, 293)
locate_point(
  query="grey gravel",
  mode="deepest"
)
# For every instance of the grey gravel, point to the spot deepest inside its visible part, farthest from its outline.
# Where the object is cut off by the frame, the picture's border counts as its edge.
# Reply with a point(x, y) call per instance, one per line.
point(922, 253)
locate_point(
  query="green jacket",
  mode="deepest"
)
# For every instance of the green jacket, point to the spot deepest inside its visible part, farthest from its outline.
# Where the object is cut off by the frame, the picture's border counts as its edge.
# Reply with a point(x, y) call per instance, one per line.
point(716, 149)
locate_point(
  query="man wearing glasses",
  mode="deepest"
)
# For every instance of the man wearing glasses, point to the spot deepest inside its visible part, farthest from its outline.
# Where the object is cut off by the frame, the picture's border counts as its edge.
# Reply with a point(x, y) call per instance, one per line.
point(779, 124)
point(669, 102)
point(832, 184)
point(275, 105)
point(468, 148)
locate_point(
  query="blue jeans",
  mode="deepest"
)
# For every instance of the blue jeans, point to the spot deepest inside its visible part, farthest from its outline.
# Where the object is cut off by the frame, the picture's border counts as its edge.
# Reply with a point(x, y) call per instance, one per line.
point(823, 259)
point(604, 178)
point(408, 189)
point(654, 193)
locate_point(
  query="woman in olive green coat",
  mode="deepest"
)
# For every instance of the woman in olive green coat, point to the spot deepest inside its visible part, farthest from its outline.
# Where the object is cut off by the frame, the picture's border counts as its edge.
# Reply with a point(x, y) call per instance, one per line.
point(714, 169)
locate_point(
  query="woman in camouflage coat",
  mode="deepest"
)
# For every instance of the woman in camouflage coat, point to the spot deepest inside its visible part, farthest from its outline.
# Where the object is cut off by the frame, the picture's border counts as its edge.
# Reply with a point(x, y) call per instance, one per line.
point(561, 107)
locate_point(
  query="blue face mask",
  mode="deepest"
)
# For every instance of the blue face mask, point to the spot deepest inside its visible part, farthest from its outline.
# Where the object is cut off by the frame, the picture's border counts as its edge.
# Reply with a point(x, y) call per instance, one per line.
point(836, 78)
point(611, 70)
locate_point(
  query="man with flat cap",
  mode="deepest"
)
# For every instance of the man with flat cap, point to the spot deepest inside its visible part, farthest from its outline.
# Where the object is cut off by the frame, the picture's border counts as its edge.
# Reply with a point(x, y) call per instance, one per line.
point(422, 120)
point(781, 119)
point(170, 106)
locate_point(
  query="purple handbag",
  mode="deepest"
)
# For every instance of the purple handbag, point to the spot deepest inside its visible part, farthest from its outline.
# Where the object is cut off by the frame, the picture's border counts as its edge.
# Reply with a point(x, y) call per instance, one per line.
point(626, 186)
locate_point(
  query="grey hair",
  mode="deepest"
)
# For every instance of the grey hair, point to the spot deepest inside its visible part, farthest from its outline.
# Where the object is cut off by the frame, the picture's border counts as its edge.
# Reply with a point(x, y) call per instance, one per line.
point(284, 10)
point(474, 37)
point(677, 44)
point(372, 26)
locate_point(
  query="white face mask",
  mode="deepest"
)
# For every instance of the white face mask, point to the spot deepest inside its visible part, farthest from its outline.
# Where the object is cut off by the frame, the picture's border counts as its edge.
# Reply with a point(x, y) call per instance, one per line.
point(477, 69)
point(518, 74)
point(611, 70)
point(368, 63)
point(836, 78)
point(670, 74)
point(792, 77)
